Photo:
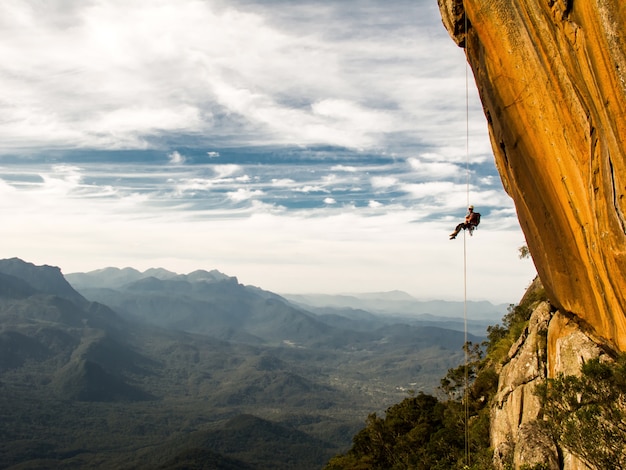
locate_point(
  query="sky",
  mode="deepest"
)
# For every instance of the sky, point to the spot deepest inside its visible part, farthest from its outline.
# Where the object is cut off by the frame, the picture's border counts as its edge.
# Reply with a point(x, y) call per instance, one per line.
point(308, 146)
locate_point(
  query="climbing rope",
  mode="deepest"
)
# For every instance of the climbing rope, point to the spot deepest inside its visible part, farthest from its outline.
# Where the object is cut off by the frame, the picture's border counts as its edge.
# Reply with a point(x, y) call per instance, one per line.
point(467, 185)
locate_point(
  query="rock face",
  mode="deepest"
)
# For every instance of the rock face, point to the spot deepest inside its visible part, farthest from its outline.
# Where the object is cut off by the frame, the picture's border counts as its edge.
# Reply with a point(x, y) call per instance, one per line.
point(514, 433)
point(516, 436)
point(552, 79)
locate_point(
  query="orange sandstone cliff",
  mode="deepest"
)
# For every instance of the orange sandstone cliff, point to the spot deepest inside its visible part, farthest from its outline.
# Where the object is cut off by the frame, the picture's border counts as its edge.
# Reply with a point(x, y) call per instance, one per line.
point(552, 79)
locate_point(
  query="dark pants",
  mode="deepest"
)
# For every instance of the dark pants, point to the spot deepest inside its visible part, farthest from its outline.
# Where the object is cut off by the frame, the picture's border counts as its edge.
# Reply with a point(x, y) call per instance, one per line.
point(462, 226)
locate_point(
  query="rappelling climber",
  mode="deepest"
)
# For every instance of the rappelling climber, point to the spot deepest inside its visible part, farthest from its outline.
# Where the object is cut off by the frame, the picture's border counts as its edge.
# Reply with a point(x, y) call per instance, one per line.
point(472, 219)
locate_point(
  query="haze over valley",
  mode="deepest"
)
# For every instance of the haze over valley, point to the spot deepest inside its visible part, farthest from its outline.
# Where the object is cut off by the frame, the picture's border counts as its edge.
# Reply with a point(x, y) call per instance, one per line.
point(118, 368)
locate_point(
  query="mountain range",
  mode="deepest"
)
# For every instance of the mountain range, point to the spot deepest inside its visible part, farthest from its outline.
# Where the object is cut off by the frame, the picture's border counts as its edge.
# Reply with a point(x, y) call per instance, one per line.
point(117, 368)
point(123, 289)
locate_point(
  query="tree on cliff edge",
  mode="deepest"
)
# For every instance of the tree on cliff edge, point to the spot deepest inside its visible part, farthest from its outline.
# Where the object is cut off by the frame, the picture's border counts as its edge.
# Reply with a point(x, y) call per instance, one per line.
point(587, 415)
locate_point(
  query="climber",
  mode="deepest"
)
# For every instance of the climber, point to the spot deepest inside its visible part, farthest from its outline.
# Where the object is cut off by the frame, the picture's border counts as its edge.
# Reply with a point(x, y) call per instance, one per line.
point(472, 219)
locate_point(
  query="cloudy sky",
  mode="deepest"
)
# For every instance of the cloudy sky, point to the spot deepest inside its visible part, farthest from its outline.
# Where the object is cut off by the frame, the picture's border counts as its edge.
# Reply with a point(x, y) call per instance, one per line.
point(302, 146)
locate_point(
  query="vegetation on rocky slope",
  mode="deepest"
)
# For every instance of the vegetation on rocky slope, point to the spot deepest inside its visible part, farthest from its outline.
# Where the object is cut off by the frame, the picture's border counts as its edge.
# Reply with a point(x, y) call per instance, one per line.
point(586, 414)
point(427, 432)
point(583, 414)
point(423, 432)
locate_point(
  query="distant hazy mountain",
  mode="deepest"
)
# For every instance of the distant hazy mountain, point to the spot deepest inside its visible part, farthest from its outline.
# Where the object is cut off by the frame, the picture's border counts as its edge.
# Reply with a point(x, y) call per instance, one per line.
point(203, 302)
point(115, 277)
point(216, 304)
point(401, 303)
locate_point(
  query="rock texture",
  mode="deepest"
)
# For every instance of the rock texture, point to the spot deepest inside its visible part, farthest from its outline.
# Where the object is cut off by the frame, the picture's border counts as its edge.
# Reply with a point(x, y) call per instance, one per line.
point(516, 436)
point(552, 79)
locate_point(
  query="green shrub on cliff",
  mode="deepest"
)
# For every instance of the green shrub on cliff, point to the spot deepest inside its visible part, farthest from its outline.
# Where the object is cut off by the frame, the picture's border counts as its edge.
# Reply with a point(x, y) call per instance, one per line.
point(587, 415)
point(502, 337)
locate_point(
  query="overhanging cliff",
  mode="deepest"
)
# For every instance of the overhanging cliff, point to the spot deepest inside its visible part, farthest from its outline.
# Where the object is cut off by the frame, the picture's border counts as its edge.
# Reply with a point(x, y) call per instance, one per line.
point(552, 79)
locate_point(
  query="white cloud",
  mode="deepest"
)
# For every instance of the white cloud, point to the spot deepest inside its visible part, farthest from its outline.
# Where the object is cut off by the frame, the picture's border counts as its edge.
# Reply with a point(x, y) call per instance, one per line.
point(243, 194)
point(330, 201)
point(432, 189)
point(143, 67)
point(193, 184)
point(349, 169)
point(63, 180)
point(312, 189)
point(283, 182)
point(383, 182)
point(146, 120)
point(487, 180)
point(176, 158)
point(224, 171)
point(438, 169)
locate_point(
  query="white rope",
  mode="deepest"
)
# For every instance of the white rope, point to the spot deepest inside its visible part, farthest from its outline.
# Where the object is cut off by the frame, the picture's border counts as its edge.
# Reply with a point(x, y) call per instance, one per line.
point(466, 398)
point(467, 184)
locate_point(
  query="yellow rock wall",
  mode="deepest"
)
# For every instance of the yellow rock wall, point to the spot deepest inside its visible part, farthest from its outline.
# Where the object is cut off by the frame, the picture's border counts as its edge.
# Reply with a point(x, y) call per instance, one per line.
point(552, 79)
